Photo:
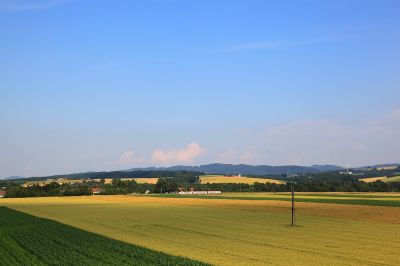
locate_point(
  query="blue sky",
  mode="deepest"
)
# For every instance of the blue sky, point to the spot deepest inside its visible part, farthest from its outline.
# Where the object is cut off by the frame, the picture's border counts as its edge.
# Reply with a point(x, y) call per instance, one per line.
point(102, 85)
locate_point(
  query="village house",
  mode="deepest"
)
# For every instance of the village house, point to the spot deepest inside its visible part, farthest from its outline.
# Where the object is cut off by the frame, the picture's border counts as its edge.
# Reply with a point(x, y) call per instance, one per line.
point(96, 190)
point(2, 193)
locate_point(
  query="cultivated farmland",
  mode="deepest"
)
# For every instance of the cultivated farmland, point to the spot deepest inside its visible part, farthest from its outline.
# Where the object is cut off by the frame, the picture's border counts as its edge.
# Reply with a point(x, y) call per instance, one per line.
point(146, 180)
point(240, 228)
point(139, 180)
point(28, 240)
point(221, 179)
point(382, 178)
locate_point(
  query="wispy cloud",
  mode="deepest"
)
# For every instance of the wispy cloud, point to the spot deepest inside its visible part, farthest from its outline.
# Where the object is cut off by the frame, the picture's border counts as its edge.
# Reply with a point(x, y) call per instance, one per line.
point(397, 113)
point(246, 157)
point(322, 141)
point(30, 5)
point(234, 156)
point(131, 158)
point(306, 142)
point(276, 44)
point(227, 156)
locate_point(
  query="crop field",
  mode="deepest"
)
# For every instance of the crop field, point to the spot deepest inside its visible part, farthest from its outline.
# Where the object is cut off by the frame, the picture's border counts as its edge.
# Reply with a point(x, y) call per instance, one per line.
point(218, 179)
point(28, 240)
point(382, 178)
point(376, 199)
point(387, 167)
point(47, 182)
point(146, 180)
point(237, 228)
point(139, 180)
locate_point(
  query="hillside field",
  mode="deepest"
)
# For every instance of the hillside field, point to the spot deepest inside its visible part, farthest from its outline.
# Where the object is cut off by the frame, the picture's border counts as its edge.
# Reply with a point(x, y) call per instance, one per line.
point(139, 180)
point(219, 179)
point(239, 228)
point(382, 178)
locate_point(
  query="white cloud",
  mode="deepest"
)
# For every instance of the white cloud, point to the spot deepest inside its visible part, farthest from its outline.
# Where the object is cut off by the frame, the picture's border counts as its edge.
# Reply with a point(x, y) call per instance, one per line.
point(184, 155)
point(129, 158)
point(30, 5)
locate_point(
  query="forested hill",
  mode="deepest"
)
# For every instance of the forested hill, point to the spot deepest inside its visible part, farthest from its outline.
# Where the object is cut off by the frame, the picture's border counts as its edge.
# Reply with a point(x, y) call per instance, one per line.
point(188, 176)
point(189, 172)
point(244, 169)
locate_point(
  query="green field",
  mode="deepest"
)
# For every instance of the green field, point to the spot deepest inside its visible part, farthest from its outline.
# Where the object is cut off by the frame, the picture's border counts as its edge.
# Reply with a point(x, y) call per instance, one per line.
point(28, 240)
point(237, 229)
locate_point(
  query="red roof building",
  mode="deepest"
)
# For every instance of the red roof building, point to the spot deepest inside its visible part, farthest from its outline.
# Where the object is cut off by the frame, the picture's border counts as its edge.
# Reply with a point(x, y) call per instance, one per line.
point(96, 190)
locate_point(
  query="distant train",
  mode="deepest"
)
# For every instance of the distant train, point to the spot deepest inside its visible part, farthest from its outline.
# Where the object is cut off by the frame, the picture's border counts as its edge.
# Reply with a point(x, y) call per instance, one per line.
point(199, 192)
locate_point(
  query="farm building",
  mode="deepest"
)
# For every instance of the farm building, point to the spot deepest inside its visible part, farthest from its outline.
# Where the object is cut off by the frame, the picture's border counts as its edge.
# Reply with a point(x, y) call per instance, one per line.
point(2, 193)
point(96, 190)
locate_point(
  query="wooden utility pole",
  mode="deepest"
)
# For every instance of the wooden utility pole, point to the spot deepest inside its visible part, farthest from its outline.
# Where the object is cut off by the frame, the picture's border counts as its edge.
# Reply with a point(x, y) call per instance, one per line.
point(293, 208)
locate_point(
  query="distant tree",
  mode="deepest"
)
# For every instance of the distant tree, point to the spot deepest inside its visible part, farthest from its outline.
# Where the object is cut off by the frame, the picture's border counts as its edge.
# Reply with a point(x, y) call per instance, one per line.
point(166, 185)
point(117, 182)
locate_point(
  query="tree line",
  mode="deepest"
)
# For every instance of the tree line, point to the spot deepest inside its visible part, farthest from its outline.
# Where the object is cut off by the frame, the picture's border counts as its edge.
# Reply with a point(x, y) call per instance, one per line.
point(173, 181)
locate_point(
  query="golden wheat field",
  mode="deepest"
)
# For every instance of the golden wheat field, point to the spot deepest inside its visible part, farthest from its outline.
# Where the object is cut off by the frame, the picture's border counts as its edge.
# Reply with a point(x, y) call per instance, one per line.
point(234, 232)
point(146, 180)
point(218, 179)
point(382, 178)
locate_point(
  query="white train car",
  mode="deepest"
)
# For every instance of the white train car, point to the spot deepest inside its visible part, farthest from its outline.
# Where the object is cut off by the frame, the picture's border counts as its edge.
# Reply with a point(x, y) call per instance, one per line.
point(199, 192)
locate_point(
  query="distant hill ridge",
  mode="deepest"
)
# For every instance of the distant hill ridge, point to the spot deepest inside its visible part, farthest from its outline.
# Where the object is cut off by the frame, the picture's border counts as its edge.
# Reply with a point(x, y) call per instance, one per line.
point(244, 169)
point(214, 168)
point(14, 177)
